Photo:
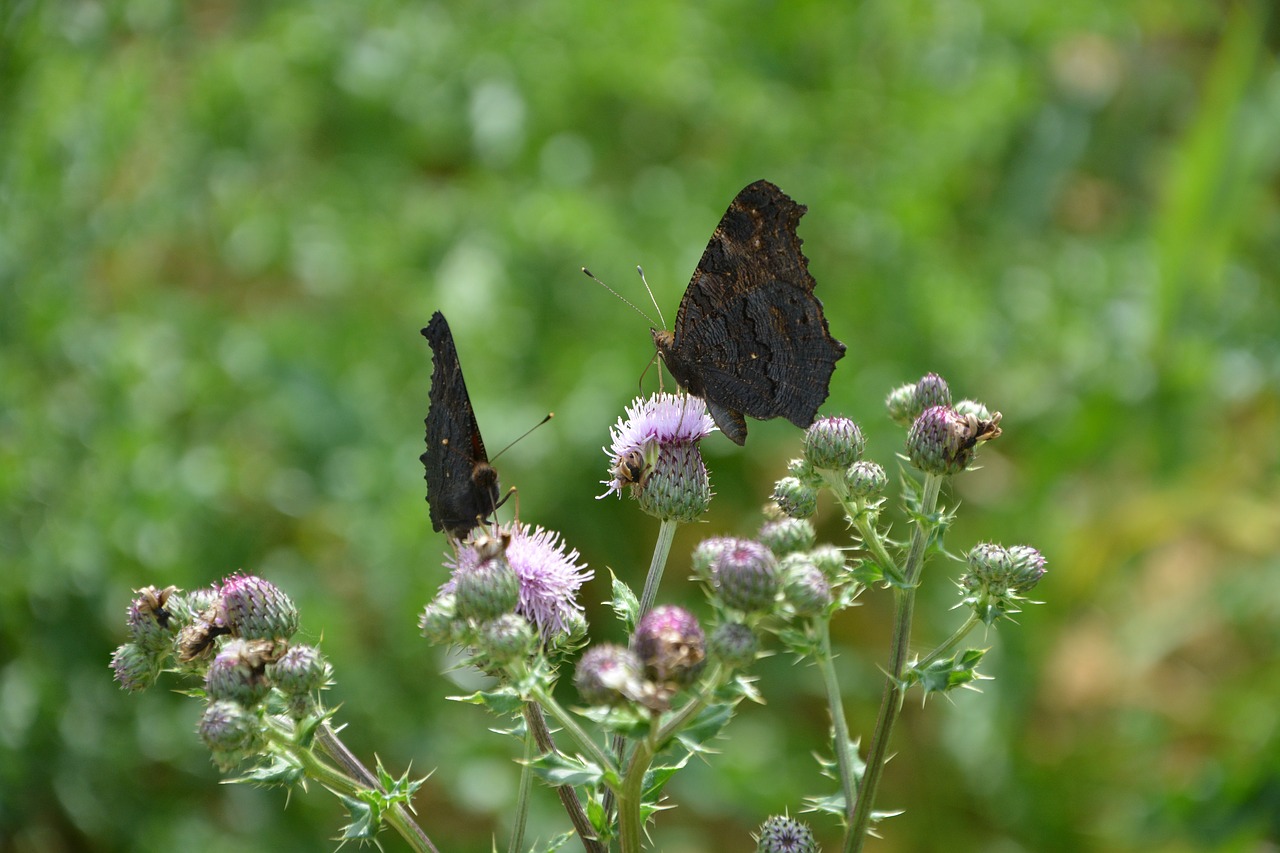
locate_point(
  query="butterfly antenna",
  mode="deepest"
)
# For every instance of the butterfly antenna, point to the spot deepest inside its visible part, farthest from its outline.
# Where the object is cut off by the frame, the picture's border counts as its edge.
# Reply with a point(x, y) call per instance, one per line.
point(652, 299)
point(549, 416)
point(647, 318)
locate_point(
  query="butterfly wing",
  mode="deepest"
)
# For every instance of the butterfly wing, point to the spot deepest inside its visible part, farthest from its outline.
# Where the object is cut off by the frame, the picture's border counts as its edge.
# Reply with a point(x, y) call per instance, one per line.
point(462, 488)
point(750, 336)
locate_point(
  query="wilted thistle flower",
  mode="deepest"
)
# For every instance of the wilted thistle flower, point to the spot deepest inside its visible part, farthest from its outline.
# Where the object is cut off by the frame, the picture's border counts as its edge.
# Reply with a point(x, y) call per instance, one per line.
point(239, 672)
point(548, 577)
point(486, 589)
point(782, 834)
point(149, 622)
point(255, 609)
point(505, 639)
point(866, 480)
point(804, 586)
point(734, 645)
point(608, 674)
point(932, 390)
point(1027, 566)
point(833, 443)
point(745, 576)
point(786, 535)
point(670, 644)
point(135, 668)
point(943, 441)
point(794, 498)
point(655, 452)
point(231, 732)
point(901, 404)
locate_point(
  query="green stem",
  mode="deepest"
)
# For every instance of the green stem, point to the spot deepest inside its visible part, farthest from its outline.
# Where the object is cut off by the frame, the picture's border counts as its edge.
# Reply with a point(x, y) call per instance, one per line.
point(661, 550)
point(570, 725)
point(891, 700)
point(840, 728)
point(516, 844)
point(537, 724)
point(951, 642)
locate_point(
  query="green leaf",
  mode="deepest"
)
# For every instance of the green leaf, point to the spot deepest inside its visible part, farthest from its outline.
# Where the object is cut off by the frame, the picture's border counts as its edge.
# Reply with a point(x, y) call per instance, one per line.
point(624, 603)
point(365, 819)
point(280, 770)
point(947, 673)
point(558, 769)
point(503, 701)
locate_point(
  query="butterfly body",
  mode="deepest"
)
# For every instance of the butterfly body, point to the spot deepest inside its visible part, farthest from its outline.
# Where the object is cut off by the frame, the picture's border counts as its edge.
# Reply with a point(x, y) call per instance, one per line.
point(750, 337)
point(462, 487)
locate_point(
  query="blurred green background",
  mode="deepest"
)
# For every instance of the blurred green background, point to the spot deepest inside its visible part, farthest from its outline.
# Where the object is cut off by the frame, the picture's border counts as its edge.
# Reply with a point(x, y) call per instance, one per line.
point(223, 223)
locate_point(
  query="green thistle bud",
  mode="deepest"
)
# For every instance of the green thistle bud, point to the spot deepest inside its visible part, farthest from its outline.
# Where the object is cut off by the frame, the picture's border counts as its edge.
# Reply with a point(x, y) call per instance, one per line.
point(239, 672)
point(942, 441)
point(575, 630)
point(608, 674)
point(506, 639)
point(746, 576)
point(787, 535)
point(255, 609)
point(866, 480)
point(795, 498)
point(706, 553)
point(677, 487)
point(135, 668)
point(782, 834)
point(301, 670)
point(439, 619)
point(830, 561)
point(231, 732)
point(973, 407)
point(902, 406)
point(932, 390)
point(1027, 566)
point(734, 645)
point(833, 443)
point(990, 568)
point(670, 644)
point(804, 586)
point(150, 623)
point(802, 470)
point(486, 591)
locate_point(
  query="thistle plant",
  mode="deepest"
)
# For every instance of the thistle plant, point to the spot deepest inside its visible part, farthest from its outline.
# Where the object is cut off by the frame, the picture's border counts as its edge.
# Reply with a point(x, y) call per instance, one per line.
point(643, 709)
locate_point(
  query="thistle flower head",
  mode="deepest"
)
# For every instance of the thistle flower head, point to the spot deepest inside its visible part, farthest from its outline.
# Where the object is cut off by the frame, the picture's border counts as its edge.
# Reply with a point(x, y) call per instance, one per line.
point(231, 732)
point(135, 668)
point(255, 609)
point(733, 644)
point(804, 585)
point(300, 670)
point(932, 390)
point(150, 623)
point(784, 536)
point(833, 443)
point(676, 487)
point(866, 480)
point(653, 424)
point(745, 576)
point(795, 498)
point(608, 674)
point(505, 639)
point(1027, 567)
point(670, 644)
point(486, 588)
point(239, 672)
point(942, 441)
point(782, 834)
point(547, 577)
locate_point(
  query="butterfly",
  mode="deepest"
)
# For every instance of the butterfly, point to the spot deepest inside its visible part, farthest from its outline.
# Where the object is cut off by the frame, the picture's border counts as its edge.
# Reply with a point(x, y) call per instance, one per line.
point(462, 487)
point(750, 336)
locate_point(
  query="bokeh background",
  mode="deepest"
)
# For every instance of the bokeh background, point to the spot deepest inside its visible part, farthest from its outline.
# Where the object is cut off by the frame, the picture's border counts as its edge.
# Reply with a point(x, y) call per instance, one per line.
point(223, 223)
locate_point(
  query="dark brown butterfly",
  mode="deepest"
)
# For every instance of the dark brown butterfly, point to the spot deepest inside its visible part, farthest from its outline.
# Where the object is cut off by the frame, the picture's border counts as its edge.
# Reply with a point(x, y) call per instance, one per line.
point(462, 487)
point(750, 337)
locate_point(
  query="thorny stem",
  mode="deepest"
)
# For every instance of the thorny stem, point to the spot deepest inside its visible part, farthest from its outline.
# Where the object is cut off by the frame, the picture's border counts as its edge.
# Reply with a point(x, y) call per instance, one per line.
point(537, 724)
point(570, 725)
point(891, 699)
point(399, 817)
point(840, 728)
point(516, 844)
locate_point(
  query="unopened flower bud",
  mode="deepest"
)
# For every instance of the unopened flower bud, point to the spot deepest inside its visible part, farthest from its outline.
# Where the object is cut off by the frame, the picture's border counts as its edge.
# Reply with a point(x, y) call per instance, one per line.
point(135, 668)
point(255, 609)
point(787, 535)
point(942, 441)
point(794, 498)
point(707, 553)
point(973, 407)
point(300, 670)
point(866, 480)
point(830, 560)
point(1027, 566)
point(782, 834)
point(932, 390)
point(990, 568)
point(804, 586)
point(506, 639)
point(803, 470)
point(439, 620)
point(734, 645)
point(670, 644)
point(833, 443)
point(486, 590)
point(231, 732)
point(677, 487)
point(149, 622)
point(239, 672)
point(901, 404)
point(746, 576)
point(608, 674)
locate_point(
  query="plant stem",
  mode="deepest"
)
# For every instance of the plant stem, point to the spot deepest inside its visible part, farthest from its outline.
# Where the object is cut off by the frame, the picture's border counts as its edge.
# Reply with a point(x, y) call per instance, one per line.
point(661, 550)
point(537, 724)
point(951, 642)
point(570, 725)
point(516, 844)
point(840, 728)
point(891, 700)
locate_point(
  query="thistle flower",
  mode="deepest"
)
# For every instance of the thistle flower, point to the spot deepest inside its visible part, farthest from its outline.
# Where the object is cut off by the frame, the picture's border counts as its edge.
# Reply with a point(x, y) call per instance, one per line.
point(670, 644)
point(901, 404)
point(548, 577)
point(804, 586)
point(439, 619)
point(300, 670)
point(505, 639)
point(654, 451)
point(1026, 569)
point(866, 480)
point(255, 609)
point(608, 674)
point(782, 834)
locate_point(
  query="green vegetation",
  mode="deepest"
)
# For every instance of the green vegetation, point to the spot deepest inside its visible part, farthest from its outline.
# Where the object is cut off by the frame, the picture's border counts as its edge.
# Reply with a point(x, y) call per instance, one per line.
point(222, 225)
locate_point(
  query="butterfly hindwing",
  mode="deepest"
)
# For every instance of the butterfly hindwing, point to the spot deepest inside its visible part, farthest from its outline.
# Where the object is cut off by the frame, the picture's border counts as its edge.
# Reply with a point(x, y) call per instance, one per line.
point(462, 487)
point(750, 336)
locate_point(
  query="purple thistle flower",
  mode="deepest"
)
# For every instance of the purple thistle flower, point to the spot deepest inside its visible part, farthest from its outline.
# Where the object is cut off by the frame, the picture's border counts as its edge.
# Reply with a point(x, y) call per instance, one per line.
point(652, 422)
point(549, 577)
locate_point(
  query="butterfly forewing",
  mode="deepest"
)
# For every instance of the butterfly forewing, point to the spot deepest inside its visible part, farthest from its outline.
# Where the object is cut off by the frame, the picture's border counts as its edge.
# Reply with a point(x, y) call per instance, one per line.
point(750, 336)
point(462, 488)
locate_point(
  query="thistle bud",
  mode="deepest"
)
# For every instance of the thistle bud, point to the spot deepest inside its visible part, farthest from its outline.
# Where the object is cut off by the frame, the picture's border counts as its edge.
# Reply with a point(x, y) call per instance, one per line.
point(942, 441)
point(255, 609)
point(231, 732)
point(803, 470)
point(932, 390)
point(782, 834)
point(677, 487)
point(804, 586)
point(866, 480)
point(300, 670)
point(135, 668)
point(734, 645)
point(439, 620)
point(833, 443)
point(794, 498)
point(608, 674)
point(1027, 566)
point(830, 561)
point(746, 576)
point(506, 639)
point(670, 644)
point(150, 624)
point(486, 590)
point(990, 568)
point(239, 672)
point(707, 552)
point(786, 535)
point(901, 404)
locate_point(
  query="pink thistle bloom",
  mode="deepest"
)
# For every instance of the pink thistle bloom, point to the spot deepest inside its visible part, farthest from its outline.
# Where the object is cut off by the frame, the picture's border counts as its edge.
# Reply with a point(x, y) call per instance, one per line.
point(652, 423)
